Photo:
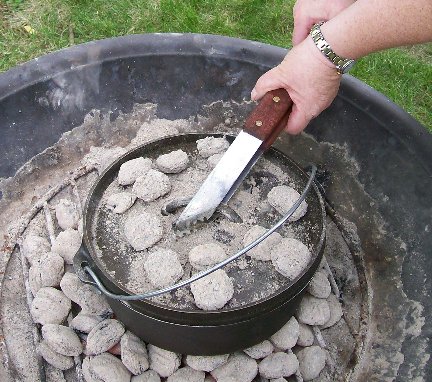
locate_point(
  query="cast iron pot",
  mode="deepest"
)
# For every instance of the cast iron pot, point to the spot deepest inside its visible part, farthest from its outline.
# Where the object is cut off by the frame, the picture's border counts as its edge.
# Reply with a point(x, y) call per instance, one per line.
point(195, 331)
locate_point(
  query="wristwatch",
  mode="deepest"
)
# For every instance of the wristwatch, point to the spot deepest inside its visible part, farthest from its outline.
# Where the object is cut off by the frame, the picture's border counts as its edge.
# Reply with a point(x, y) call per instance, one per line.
point(342, 64)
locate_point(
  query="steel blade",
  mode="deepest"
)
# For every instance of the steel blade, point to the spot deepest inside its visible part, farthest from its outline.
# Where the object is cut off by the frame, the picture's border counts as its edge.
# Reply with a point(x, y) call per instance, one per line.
point(221, 180)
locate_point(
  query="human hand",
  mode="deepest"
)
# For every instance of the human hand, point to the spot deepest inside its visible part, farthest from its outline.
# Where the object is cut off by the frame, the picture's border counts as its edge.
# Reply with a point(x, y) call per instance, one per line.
point(309, 78)
point(309, 12)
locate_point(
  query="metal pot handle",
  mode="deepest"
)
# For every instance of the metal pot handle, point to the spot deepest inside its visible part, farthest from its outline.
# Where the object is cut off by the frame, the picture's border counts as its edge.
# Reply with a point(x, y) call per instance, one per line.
point(82, 260)
point(86, 274)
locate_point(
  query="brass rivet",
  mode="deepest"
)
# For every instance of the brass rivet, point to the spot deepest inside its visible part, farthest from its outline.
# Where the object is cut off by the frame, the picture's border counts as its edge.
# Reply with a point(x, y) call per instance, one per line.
point(276, 99)
point(258, 123)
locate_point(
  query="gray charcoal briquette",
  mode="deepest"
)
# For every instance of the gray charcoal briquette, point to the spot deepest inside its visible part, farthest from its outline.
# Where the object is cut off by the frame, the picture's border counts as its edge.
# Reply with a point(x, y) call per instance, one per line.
point(104, 336)
point(131, 170)
point(319, 286)
point(62, 339)
point(50, 306)
point(164, 362)
point(67, 214)
point(55, 359)
point(239, 368)
point(311, 362)
point(313, 311)
point(33, 247)
point(286, 337)
point(105, 368)
point(134, 353)
point(206, 363)
point(67, 244)
point(173, 162)
point(260, 350)
point(278, 365)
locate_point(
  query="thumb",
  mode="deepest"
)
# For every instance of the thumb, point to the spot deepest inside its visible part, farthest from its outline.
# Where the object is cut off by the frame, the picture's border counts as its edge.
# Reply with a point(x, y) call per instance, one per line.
point(301, 30)
point(297, 121)
point(268, 81)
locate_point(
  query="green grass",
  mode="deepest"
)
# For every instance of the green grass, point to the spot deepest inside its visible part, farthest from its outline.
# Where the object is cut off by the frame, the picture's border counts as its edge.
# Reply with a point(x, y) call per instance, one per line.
point(403, 75)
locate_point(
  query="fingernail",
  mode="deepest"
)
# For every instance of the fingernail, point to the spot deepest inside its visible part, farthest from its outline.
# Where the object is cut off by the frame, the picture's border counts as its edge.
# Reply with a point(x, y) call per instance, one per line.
point(253, 94)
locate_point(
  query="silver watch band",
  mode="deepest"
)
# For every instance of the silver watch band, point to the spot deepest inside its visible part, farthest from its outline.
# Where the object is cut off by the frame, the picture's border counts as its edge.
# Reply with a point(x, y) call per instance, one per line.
point(342, 64)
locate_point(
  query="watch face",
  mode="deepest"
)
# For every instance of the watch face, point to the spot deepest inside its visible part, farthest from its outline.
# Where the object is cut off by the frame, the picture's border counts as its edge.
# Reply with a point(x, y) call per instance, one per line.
point(348, 66)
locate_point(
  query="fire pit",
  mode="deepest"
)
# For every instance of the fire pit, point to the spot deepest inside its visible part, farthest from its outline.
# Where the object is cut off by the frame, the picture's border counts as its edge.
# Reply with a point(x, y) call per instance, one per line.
point(374, 163)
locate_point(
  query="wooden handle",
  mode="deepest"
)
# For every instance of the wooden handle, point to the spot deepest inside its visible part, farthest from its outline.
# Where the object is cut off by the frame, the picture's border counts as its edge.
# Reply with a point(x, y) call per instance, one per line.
point(269, 117)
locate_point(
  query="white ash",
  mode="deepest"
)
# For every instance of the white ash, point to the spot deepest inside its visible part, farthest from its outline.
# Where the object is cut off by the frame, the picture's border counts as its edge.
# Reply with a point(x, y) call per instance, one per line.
point(213, 291)
point(67, 214)
point(306, 336)
point(33, 247)
point(158, 128)
point(104, 336)
point(131, 170)
point(85, 322)
point(121, 202)
point(55, 359)
point(67, 243)
point(62, 339)
point(204, 256)
point(164, 362)
point(290, 257)
point(134, 353)
point(151, 186)
point(282, 198)
point(86, 296)
point(278, 365)
point(261, 350)
point(319, 286)
point(312, 360)
point(313, 311)
point(263, 249)
point(173, 162)
point(163, 267)
point(147, 376)
point(286, 337)
point(50, 306)
point(278, 380)
point(206, 363)
point(105, 368)
point(214, 159)
point(102, 157)
point(143, 231)
point(210, 145)
point(46, 272)
point(239, 368)
point(187, 374)
point(336, 311)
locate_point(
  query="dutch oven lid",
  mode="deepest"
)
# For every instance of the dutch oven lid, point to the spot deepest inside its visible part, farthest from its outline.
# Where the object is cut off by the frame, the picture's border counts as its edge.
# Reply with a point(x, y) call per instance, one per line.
point(257, 285)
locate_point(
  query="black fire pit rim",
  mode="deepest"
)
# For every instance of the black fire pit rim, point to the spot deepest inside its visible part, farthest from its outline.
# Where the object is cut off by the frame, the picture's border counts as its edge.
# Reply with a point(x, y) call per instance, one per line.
point(44, 68)
point(136, 45)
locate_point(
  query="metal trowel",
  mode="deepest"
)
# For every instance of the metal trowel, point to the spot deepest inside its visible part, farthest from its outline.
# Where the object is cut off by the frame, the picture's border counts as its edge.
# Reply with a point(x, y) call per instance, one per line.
point(260, 130)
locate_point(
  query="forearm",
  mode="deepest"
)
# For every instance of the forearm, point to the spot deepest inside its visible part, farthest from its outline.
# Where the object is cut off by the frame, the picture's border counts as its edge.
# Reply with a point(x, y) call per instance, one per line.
point(371, 25)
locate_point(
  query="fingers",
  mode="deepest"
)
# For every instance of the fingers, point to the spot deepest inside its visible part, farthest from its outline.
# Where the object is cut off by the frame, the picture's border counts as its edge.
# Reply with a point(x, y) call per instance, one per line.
point(297, 121)
point(268, 81)
point(311, 81)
